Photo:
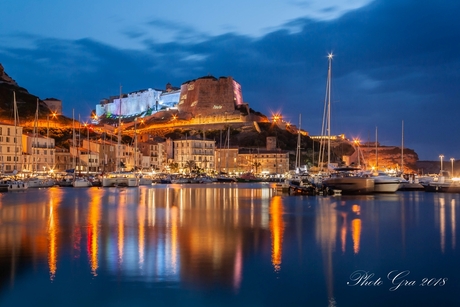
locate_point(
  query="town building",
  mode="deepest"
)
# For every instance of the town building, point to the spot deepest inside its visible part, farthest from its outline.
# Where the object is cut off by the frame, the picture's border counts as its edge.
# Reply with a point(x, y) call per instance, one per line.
point(196, 151)
point(10, 148)
point(39, 153)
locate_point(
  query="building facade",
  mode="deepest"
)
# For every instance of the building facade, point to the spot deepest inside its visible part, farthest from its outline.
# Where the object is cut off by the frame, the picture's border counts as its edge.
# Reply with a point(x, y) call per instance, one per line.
point(10, 148)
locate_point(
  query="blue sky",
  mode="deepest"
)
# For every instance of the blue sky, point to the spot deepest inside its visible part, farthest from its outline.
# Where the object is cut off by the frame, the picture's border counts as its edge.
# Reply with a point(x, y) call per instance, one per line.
point(394, 60)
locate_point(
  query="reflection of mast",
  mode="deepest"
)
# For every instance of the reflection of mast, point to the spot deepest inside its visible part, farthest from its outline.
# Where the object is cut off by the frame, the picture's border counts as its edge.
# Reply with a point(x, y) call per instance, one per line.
point(277, 230)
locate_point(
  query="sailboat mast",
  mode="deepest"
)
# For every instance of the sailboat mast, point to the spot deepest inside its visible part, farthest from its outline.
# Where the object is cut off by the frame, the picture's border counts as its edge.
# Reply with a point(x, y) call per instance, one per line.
point(15, 131)
point(402, 147)
point(376, 151)
point(329, 111)
point(119, 134)
point(297, 157)
point(73, 142)
point(35, 162)
point(228, 149)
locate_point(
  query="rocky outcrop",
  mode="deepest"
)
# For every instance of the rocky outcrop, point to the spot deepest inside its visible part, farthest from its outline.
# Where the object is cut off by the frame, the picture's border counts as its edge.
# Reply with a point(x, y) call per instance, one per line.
point(4, 78)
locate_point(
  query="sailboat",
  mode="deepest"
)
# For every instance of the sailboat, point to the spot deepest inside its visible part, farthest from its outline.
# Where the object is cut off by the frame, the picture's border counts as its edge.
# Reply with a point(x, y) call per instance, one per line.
point(38, 181)
point(224, 177)
point(343, 179)
point(15, 184)
point(120, 178)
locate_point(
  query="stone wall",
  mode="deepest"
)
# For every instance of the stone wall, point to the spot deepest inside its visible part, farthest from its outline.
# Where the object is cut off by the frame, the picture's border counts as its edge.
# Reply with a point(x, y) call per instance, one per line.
point(209, 96)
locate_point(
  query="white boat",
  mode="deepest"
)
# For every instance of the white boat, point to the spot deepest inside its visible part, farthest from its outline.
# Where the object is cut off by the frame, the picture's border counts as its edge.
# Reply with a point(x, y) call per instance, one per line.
point(14, 185)
point(383, 183)
point(40, 182)
point(81, 183)
point(120, 179)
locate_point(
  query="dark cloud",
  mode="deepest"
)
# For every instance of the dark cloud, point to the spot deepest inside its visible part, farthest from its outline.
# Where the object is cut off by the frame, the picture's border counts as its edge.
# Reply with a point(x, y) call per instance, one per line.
point(395, 60)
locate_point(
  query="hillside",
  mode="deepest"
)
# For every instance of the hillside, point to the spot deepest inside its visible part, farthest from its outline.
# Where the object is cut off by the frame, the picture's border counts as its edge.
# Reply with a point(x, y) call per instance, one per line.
point(246, 135)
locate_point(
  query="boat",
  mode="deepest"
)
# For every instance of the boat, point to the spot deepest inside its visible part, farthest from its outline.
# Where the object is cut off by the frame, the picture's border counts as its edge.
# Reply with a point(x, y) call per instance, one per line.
point(81, 182)
point(383, 183)
point(145, 179)
point(40, 182)
point(342, 179)
point(249, 177)
point(119, 179)
point(346, 180)
point(442, 183)
point(8, 184)
point(225, 178)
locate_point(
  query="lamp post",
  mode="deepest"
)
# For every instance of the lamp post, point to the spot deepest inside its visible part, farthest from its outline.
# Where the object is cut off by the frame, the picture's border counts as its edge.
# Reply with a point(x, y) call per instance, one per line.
point(441, 156)
point(452, 162)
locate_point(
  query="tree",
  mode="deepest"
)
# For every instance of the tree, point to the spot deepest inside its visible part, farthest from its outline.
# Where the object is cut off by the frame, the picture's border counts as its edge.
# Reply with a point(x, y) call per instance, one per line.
point(256, 165)
point(190, 164)
point(173, 167)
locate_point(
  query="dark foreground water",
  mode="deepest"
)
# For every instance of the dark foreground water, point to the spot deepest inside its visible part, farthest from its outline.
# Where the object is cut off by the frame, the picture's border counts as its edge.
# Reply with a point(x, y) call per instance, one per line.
point(227, 245)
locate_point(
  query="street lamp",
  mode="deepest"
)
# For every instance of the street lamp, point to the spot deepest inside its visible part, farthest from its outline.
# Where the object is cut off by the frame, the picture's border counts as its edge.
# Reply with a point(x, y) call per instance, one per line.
point(441, 156)
point(452, 161)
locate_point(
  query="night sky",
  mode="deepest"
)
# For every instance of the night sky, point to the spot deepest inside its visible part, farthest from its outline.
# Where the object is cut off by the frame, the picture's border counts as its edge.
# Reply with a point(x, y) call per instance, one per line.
point(394, 60)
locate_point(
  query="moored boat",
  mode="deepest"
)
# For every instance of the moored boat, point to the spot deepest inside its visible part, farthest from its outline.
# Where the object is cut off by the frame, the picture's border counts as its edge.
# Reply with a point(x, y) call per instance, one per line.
point(115, 179)
point(383, 183)
point(248, 177)
point(348, 182)
point(81, 183)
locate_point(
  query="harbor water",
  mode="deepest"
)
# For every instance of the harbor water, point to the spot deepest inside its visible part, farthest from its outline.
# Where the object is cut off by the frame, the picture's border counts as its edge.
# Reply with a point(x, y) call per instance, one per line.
point(227, 245)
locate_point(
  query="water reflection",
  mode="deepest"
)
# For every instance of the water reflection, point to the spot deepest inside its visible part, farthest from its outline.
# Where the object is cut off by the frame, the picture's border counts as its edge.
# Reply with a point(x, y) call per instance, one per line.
point(277, 231)
point(243, 238)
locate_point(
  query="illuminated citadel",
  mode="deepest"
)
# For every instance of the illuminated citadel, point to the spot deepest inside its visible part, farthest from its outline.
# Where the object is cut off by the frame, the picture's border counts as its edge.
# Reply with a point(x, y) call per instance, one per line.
point(205, 96)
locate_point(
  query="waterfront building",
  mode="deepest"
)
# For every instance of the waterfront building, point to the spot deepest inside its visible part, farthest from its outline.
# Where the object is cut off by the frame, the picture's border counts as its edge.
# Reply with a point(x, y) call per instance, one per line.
point(263, 161)
point(64, 161)
point(39, 153)
point(10, 148)
point(194, 150)
point(226, 160)
point(155, 153)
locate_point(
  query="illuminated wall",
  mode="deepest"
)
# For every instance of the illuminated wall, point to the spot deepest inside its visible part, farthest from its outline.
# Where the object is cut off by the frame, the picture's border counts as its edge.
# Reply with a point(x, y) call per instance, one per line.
point(140, 103)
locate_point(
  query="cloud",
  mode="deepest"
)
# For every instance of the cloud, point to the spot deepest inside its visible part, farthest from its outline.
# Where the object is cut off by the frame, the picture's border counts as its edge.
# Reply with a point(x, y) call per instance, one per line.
point(395, 60)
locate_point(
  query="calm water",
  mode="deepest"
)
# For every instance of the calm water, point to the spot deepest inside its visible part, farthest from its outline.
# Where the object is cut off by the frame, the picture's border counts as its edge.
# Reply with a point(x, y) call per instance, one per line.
point(227, 245)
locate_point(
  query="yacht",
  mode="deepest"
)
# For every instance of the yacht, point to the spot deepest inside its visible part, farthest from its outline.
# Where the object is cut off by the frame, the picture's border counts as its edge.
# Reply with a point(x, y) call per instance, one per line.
point(81, 183)
point(383, 183)
point(120, 178)
point(346, 180)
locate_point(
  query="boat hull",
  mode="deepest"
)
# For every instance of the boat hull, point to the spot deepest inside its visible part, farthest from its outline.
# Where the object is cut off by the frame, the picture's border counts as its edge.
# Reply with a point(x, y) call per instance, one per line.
point(350, 185)
point(386, 187)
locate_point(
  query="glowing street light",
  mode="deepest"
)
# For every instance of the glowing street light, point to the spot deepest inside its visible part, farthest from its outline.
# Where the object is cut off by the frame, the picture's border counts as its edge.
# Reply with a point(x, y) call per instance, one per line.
point(452, 161)
point(441, 156)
